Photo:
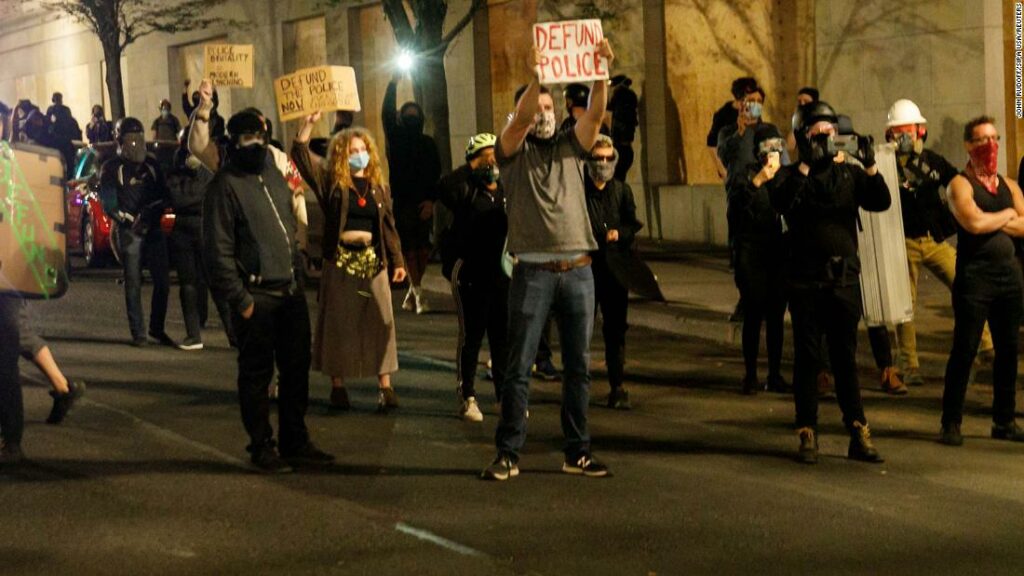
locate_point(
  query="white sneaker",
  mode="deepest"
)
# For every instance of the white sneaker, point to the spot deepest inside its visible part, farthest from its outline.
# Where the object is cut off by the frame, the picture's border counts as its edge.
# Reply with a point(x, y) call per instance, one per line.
point(470, 411)
point(409, 304)
point(422, 307)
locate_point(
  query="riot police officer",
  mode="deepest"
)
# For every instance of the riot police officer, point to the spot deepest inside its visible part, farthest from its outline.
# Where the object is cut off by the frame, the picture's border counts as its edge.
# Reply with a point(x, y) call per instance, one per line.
point(819, 199)
point(134, 194)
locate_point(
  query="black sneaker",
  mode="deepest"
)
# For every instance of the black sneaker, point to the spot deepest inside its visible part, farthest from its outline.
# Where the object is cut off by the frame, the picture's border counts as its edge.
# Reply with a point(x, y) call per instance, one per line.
point(163, 339)
point(191, 344)
point(546, 371)
point(1009, 432)
point(950, 435)
point(808, 453)
point(586, 466)
point(11, 454)
point(501, 469)
point(776, 383)
point(266, 459)
point(618, 399)
point(750, 386)
point(62, 403)
point(308, 455)
point(140, 342)
point(861, 447)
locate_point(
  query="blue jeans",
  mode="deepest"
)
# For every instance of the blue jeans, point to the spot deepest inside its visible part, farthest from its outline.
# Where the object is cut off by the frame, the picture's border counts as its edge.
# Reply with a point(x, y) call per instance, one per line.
point(154, 246)
point(533, 295)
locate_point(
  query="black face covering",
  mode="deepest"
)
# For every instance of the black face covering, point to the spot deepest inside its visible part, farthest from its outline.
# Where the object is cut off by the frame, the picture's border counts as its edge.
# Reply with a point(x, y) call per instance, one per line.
point(413, 123)
point(250, 159)
point(817, 150)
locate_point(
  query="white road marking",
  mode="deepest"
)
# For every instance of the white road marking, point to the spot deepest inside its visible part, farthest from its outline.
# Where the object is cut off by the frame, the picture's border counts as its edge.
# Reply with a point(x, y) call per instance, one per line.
point(428, 536)
point(172, 436)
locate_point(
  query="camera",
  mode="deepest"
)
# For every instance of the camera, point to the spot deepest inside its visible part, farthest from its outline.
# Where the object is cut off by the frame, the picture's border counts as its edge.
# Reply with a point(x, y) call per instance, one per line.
point(846, 139)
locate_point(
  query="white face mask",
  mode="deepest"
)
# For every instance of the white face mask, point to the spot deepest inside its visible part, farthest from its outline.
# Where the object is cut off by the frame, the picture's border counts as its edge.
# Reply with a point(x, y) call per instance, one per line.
point(543, 125)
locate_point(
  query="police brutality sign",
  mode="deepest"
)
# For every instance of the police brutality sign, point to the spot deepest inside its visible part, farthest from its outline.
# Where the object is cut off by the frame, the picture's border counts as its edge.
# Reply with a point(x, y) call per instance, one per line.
point(569, 51)
point(323, 88)
point(229, 64)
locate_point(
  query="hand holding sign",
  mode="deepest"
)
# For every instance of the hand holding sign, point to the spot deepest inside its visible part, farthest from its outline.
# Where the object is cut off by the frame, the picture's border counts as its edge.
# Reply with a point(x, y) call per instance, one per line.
point(571, 51)
point(323, 88)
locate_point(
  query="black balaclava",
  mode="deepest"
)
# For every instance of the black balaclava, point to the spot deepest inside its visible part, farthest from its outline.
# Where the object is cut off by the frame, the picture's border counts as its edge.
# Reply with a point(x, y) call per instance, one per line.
point(252, 158)
point(411, 117)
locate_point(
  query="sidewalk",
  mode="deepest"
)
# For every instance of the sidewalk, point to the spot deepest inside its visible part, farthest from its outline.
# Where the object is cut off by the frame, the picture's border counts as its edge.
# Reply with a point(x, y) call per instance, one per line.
point(701, 295)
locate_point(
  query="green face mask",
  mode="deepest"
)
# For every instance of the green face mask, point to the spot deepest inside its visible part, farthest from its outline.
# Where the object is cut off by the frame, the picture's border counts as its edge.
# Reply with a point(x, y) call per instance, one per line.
point(486, 175)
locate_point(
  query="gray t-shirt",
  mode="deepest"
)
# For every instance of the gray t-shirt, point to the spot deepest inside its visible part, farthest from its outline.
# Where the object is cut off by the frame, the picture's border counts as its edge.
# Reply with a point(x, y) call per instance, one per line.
point(545, 196)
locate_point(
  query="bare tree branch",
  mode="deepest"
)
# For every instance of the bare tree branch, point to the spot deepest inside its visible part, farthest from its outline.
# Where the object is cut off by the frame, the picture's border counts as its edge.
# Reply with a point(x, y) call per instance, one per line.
point(394, 11)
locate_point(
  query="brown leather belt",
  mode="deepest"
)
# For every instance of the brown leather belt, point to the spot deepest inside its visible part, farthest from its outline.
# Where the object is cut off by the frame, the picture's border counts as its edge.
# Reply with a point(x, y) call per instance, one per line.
point(559, 265)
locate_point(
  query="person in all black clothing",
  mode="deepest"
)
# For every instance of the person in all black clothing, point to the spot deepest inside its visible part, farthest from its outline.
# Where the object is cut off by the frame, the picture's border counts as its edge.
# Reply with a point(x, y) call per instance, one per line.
point(473, 261)
point(624, 107)
point(134, 194)
point(819, 199)
point(12, 410)
point(415, 170)
point(254, 264)
point(612, 212)
point(99, 129)
point(187, 183)
point(761, 260)
point(989, 213)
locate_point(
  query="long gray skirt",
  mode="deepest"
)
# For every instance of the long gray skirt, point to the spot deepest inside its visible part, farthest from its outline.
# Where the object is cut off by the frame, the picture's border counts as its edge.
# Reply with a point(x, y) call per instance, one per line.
point(355, 329)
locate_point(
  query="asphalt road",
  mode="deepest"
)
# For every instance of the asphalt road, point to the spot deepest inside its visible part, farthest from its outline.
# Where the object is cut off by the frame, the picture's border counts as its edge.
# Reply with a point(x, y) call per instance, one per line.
point(149, 475)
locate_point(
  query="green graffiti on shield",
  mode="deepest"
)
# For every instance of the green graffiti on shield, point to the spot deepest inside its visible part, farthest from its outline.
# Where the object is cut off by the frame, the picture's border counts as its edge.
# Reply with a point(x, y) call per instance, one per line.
point(28, 223)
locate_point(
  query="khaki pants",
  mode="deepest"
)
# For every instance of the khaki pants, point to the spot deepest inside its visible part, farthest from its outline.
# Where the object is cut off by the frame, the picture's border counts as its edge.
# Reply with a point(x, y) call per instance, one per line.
point(940, 259)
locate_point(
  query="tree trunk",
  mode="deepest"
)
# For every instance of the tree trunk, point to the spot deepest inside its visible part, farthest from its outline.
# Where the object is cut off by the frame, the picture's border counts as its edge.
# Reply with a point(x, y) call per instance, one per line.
point(430, 87)
point(115, 82)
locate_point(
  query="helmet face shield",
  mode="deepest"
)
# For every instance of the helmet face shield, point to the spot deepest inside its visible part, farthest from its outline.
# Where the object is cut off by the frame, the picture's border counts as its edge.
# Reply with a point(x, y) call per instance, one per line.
point(822, 127)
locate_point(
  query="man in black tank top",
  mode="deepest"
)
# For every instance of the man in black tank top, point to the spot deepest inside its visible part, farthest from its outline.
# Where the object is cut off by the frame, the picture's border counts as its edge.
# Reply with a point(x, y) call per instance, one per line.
point(989, 213)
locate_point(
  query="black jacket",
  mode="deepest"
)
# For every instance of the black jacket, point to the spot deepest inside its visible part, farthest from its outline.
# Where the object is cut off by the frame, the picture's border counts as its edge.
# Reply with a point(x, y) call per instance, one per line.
point(136, 190)
point(412, 156)
point(750, 213)
point(924, 211)
point(613, 208)
point(821, 212)
point(187, 189)
point(479, 225)
point(249, 234)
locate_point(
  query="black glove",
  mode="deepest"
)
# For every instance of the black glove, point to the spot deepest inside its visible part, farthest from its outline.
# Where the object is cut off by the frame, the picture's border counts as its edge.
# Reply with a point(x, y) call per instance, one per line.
point(866, 151)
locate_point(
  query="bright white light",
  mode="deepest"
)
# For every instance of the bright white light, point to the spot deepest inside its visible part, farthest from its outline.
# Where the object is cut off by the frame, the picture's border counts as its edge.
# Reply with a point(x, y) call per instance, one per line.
point(405, 61)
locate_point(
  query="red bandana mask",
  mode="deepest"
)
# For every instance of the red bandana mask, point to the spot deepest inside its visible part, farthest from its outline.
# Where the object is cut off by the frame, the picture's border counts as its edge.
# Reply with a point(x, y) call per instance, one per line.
point(985, 158)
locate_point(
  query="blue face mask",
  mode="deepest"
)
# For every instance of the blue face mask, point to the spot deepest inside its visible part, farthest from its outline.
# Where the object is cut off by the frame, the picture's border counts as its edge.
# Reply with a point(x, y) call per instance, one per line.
point(359, 161)
point(754, 109)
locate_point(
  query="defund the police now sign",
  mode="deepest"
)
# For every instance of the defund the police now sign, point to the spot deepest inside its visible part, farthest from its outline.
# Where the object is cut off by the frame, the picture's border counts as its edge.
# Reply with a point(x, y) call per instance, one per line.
point(569, 51)
point(324, 88)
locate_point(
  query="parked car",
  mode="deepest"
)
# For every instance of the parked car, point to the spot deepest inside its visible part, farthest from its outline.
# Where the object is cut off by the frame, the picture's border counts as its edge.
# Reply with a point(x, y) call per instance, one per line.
point(88, 226)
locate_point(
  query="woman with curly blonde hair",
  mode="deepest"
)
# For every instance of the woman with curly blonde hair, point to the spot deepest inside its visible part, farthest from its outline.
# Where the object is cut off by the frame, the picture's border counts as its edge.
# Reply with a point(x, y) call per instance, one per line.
point(355, 332)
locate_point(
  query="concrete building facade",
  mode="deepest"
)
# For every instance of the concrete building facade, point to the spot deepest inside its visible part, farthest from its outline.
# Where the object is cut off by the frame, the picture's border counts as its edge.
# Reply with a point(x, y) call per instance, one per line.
point(953, 57)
